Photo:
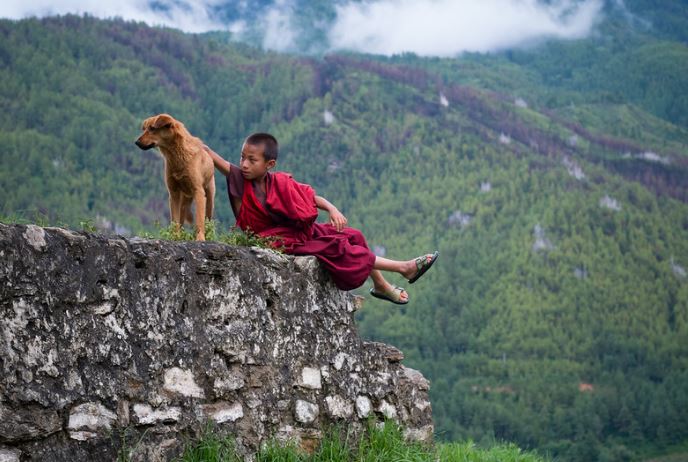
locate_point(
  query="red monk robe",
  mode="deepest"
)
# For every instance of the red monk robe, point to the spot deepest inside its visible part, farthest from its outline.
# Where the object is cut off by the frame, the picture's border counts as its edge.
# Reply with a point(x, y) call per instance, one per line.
point(288, 212)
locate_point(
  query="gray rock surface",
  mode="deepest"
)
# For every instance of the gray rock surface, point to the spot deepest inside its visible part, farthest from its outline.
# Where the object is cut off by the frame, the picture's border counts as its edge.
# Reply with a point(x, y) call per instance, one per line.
point(110, 344)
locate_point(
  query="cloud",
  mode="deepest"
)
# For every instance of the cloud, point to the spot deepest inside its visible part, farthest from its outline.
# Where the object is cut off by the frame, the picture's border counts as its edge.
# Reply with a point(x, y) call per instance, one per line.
point(187, 15)
point(449, 27)
point(280, 33)
point(424, 27)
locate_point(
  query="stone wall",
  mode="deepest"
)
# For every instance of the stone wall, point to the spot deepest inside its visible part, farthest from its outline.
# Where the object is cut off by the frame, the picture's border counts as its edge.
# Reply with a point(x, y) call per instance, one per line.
point(109, 343)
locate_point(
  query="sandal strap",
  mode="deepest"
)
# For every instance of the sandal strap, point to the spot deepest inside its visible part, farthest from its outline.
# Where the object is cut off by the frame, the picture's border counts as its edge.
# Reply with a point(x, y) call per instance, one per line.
point(395, 293)
point(422, 261)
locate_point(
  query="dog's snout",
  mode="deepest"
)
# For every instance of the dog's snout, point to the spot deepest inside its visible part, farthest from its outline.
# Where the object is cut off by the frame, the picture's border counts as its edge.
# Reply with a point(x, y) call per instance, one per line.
point(144, 146)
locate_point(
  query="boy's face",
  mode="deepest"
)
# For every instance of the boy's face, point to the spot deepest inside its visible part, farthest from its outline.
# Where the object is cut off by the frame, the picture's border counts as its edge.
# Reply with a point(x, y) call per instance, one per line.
point(253, 164)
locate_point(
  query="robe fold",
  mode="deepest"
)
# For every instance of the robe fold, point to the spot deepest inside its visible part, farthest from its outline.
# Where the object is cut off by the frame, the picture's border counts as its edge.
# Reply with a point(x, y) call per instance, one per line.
point(288, 213)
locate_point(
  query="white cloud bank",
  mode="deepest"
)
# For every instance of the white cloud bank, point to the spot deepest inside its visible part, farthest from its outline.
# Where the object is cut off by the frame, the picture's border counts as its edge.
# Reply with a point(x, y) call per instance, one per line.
point(449, 27)
point(424, 27)
point(277, 23)
point(187, 15)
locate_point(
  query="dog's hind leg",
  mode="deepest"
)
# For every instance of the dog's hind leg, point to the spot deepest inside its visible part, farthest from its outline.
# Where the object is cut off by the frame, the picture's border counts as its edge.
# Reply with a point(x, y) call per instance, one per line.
point(200, 200)
point(209, 200)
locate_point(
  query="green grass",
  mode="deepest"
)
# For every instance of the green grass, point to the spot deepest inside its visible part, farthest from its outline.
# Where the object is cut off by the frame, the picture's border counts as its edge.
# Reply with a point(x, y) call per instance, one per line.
point(380, 444)
point(234, 236)
point(469, 452)
point(26, 217)
point(211, 447)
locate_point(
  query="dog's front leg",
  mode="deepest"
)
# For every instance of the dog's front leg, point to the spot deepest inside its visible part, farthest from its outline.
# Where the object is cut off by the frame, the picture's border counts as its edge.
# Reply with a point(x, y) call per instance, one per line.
point(200, 200)
point(175, 208)
point(180, 208)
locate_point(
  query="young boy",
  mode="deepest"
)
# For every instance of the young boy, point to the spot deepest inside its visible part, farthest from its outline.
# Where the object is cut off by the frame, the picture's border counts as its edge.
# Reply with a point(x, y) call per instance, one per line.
point(274, 204)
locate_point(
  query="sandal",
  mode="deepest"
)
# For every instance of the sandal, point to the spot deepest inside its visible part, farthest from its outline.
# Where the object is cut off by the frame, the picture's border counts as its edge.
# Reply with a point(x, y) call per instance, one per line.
point(423, 264)
point(393, 296)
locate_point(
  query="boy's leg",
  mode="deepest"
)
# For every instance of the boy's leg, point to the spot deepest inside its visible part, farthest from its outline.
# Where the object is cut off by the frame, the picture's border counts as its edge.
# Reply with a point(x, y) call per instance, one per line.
point(396, 266)
point(383, 287)
point(408, 268)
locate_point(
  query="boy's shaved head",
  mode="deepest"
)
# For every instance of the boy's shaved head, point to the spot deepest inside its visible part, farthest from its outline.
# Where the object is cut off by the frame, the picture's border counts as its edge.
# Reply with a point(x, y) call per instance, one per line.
point(269, 142)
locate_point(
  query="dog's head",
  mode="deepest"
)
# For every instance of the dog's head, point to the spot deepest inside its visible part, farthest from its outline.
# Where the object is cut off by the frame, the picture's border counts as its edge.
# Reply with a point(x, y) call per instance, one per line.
point(157, 131)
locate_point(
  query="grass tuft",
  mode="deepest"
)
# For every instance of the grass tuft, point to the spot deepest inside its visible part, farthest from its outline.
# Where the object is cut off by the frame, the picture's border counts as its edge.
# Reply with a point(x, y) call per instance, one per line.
point(381, 443)
point(234, 236)
point(211, 447)
point(469, 452)
point(28, 217)
point(276, 452)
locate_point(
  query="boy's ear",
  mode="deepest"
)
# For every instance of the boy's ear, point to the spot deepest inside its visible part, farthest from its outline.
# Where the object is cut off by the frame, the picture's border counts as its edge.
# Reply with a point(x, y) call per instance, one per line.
point(271, 163)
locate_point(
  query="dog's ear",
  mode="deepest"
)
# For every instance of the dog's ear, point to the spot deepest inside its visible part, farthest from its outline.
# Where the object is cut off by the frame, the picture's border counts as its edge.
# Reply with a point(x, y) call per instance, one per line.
point(163, 121)
point(146, 123)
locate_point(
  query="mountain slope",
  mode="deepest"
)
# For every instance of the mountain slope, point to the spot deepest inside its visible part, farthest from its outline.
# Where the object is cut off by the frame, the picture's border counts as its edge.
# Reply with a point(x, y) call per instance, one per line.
point(557, 314)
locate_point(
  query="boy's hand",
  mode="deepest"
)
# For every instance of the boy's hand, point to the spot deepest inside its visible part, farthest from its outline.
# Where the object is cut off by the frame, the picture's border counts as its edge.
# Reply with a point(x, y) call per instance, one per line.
point(337, 220)
point(219, 163)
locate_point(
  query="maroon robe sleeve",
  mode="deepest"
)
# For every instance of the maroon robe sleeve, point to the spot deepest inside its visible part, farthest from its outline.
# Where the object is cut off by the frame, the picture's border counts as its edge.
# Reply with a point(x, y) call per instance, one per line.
point(292, 200)
point(235, 188)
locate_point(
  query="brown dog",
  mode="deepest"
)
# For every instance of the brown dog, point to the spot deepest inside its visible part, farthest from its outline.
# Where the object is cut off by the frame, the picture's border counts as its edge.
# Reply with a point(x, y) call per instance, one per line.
point(189, 171)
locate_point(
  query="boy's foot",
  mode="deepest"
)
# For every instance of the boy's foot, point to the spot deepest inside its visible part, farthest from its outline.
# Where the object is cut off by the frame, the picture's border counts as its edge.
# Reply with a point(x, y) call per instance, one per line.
point(423, 263)
point(396, 295)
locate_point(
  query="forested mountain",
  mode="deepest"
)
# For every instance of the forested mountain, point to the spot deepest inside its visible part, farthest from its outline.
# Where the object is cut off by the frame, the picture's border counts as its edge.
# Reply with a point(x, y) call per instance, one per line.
point(552, 181)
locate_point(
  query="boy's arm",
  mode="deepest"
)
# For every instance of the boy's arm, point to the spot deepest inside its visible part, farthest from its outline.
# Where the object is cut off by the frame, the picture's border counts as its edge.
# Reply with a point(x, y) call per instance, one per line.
point(220, 164)
point(337, 220)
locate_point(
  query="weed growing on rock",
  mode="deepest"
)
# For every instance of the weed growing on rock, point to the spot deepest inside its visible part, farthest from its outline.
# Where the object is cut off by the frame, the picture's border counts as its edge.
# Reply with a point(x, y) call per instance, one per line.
point(172, 233)
point(126, 449)
point(88, 225)
point(211, 447)
point(234, 236)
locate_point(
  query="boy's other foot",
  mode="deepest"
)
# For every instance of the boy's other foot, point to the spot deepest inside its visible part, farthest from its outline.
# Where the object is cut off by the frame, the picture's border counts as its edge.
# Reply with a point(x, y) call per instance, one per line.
point(396, 295)
point(423, 263)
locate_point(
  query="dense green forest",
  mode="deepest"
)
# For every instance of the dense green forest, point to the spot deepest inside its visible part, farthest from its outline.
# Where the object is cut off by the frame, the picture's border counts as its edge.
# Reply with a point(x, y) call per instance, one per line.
point(552, 180)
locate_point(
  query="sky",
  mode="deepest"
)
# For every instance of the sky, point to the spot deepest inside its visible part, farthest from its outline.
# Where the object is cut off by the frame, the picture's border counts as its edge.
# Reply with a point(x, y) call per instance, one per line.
point(387, 27)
